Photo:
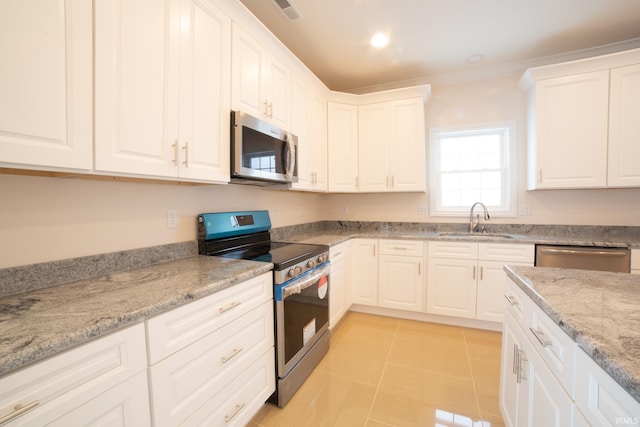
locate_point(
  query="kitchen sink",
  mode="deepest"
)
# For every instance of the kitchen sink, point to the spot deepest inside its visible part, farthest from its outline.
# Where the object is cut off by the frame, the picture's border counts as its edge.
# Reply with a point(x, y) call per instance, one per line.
point(468, 235)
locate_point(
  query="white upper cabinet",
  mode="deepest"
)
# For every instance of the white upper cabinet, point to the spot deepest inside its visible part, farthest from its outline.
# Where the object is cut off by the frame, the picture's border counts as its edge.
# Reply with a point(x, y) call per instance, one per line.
point(261, 83)
point(45, 84)
point(582, 127)
point(343, 147)
point(309, 124)
point(162, 89)
point(624, 127)
point(391, 143)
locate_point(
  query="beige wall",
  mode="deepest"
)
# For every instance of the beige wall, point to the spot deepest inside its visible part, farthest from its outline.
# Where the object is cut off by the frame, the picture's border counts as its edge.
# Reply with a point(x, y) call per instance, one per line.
point(43, 219)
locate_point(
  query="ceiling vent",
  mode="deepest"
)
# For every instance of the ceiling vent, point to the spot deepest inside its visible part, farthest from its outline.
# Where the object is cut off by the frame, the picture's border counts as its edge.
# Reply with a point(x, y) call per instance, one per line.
point(288, 9)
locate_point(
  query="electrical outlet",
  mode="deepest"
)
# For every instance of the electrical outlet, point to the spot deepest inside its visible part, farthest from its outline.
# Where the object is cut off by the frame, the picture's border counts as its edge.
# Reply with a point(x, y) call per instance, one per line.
point(524, 210)
point(172, 218)
point(422, 209)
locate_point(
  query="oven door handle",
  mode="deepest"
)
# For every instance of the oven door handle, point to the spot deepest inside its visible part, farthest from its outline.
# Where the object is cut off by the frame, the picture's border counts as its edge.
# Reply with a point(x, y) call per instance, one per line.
point(296, 286)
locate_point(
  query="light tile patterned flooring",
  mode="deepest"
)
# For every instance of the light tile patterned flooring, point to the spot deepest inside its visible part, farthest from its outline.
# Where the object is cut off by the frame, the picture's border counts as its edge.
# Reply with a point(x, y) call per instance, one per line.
point(382, 371)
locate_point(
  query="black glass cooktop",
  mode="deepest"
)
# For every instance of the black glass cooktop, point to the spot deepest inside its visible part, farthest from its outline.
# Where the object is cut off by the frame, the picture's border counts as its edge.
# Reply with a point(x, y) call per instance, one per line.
point(281, 254)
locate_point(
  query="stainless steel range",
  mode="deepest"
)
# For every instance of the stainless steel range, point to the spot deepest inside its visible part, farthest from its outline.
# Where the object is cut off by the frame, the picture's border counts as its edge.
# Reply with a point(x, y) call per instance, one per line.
point(301, 289)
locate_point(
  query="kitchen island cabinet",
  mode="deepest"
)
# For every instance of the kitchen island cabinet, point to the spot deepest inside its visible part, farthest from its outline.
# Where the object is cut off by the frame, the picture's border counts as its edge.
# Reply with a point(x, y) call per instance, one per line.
point(46, 85)
point(581, 341)
point(162, 89)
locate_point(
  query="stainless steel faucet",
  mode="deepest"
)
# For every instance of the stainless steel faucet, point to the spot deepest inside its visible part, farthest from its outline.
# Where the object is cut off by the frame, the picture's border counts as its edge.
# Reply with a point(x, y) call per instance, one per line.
point(474, 226)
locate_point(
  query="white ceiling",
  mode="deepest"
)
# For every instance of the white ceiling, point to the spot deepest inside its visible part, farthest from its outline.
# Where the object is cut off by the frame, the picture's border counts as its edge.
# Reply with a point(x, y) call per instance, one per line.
point(430, 40)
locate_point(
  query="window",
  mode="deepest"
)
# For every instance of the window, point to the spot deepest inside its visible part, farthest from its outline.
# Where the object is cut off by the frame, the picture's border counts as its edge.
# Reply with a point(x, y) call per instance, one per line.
point(473, 165)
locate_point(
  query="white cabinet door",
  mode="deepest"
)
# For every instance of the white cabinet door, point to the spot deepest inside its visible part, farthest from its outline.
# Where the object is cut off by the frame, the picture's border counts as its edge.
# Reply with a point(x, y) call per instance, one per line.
point(338, 288)
point(318, 139)
point(162, 101)
point(136, 86)
point(451, 288)
point(46, 84)
point(509, 377)
point(205, 92)
point(571, 119)
point(261, 84)
point(624, 127)
point(300, 118)
point(249, 65)
point(407, 145)
point(364, 271)
point(342, 123)
point(401, 282)
point(491, 290)
point(373, 147)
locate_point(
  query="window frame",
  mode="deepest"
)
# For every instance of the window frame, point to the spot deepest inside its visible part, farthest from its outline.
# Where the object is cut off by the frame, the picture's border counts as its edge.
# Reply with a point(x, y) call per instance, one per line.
point(509, 209)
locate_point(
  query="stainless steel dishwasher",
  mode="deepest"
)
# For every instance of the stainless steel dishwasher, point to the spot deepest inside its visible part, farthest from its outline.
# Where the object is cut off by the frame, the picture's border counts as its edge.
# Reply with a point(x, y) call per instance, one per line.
point(584, 258)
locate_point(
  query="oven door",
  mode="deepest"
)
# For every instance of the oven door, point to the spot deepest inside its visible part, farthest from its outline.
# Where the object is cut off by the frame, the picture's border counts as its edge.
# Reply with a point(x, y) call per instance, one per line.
point(302, 316)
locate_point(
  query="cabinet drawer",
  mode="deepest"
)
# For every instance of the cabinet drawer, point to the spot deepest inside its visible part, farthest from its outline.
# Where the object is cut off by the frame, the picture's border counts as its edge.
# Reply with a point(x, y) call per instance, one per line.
point(339, 252)
point(557, 349)
point(241, 399)
point(174, 330)
point(182, 383)
point(75, 376)
point(402, 247)
point(599, 398)
point(461, 250)
point(517, 303)
point(506, 252)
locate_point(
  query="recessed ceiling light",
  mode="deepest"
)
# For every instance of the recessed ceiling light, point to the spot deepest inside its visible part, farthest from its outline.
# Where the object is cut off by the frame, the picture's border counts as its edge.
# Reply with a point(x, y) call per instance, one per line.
point(474, 59)
point(379, 40)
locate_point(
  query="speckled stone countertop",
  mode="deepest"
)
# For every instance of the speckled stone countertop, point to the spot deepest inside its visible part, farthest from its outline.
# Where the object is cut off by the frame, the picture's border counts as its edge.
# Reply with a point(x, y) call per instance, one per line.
point(335, 232)
point(598, 310)
point(42, 322)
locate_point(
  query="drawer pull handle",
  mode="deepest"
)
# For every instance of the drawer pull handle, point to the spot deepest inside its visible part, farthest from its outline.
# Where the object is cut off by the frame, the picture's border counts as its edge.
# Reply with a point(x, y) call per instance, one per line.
point(19, 409)
point(511, 300)
point(233, 354)
point(400, 248)
point(229, 306)
point(235, 412)
point(540, 337)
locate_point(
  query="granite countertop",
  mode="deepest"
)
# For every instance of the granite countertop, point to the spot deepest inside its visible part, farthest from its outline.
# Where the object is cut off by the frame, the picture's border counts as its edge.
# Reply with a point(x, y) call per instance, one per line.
point(40, 323)
point(598, 310)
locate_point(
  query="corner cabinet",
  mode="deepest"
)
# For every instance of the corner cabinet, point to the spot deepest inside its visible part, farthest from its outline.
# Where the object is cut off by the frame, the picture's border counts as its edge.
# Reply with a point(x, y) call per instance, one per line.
point(46, 84)
point(342, 122)
point(261, 83)
point(585, 111)
point(162, 89)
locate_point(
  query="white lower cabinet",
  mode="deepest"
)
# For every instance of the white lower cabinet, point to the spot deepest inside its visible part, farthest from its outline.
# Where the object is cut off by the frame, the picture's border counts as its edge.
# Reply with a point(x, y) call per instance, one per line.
point(529, 393)
point(364, 271)
point(466, 279)
point(635, 261)
point(339, 287)
point(401, 275)
point(103, 382)
point(547, 380)
point(600, 399)
point(221, 338)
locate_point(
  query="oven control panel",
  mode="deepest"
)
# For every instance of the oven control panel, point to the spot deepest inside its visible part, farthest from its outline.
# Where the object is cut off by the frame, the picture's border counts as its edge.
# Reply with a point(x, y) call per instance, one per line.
point(299, 269)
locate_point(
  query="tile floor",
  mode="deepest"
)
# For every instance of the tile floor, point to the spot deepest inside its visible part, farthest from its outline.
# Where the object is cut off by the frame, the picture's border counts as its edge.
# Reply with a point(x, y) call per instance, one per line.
point(382, 371)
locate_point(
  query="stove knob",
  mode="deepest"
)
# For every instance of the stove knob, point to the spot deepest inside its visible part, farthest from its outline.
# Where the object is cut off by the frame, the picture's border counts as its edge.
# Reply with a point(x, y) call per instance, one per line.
point(323, 258)
point(311, 264)
point(291, 273)
point(298, 270)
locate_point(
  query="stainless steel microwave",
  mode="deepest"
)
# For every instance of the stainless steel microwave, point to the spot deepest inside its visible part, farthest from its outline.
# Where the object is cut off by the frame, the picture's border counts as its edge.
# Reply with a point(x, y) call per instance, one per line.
point(261, 153)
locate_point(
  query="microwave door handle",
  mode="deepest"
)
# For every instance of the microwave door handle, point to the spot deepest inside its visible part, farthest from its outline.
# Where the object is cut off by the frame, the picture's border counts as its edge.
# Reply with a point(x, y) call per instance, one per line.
point(290, 158)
